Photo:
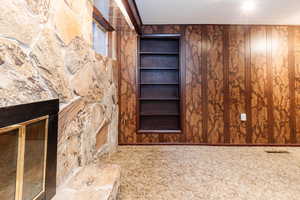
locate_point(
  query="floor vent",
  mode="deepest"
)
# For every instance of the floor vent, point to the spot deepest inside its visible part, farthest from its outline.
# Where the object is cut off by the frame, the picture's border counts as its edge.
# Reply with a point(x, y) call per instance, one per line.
point(270, 151)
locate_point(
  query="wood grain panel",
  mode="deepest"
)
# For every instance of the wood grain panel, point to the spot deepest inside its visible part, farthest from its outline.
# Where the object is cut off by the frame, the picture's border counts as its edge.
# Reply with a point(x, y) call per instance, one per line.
point(226, 63)
point(237, 83)
point(194, 111)
point(215, 84)
point(164, 29)
point(297, 81)
point(258, 83)
point(148, 138)
point(261, 56)
point(280, 84)
point(248, 88)
point(127, 89)
point(170, 138)
point(269, 86)
point(292, 92)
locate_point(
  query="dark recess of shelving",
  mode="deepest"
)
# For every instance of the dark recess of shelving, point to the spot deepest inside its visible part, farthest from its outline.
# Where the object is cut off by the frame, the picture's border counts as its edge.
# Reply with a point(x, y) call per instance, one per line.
point(159, 85)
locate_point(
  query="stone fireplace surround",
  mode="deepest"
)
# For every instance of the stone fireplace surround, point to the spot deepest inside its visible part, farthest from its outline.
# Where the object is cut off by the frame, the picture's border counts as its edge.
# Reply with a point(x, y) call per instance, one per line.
point(14, 115)
point(46, 53)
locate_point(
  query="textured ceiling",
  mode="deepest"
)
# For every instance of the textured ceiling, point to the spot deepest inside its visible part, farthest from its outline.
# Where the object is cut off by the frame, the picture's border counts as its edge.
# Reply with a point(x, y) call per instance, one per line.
point(219, 11)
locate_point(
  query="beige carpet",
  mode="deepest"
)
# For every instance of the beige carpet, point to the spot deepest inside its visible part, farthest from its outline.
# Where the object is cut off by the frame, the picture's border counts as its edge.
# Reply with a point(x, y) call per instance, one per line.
point(208, 173)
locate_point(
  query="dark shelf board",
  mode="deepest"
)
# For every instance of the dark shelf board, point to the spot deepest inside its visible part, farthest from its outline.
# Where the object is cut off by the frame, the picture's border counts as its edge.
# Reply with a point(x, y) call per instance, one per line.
point(159, 83)
point(159, 131)
point(159, 99)
point(158, 68)
point(159, 53)
point(159, 114)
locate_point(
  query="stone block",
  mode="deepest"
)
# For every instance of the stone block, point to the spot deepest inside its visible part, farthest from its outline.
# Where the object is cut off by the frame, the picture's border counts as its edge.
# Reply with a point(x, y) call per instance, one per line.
point(17, 21)
point(39, 8)
point(68, 153)
point(84, 11)
point(87, 83)
point(67, 115)
point(48, 55)
point(93, 182)
point(78, 54)
point(102, 136)
point(19, 80)
point(97, 117)
point(66, 22)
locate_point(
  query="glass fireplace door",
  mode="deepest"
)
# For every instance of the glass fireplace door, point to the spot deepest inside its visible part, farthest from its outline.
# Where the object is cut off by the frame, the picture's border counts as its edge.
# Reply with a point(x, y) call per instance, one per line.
point(9, 146)
point(23, 150)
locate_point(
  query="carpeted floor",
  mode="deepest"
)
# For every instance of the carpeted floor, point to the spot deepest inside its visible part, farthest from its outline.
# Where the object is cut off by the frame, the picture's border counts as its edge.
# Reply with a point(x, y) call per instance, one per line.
point(208, 173)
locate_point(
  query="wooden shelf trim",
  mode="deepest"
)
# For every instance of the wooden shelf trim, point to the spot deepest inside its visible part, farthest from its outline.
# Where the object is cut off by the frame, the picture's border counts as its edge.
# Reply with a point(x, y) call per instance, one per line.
point(158, 68)
point(159, 53)
point(159, 83)
point(100, 19)
point(159, 99)
point(159, 131)
point(159, 89)
point(159, 114)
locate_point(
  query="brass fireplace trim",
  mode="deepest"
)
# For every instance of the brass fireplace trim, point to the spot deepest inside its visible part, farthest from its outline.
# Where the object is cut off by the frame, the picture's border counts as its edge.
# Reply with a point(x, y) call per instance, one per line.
point(21, 127)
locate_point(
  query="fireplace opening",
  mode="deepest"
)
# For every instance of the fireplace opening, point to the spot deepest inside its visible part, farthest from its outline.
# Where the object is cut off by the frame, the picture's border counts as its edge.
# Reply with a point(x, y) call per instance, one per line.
point(23, 159)
point(27, 144)
point(8, 163)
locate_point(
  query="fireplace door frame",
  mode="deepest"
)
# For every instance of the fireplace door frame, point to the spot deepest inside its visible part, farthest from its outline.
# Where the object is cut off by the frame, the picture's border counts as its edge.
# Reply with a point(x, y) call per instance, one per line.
point(21, 154)
point(17, 117)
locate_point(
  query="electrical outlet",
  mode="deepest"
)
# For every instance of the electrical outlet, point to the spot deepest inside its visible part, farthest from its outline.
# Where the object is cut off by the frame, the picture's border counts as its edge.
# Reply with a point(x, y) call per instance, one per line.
point(243, 117)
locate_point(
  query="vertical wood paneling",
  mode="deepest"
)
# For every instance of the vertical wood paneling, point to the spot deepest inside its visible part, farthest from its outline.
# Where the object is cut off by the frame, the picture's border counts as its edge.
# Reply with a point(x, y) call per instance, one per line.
point(215, 84)
point(127, 91)
point(280, 80)
point(248, 88)
point(267, 58)
point(227, 99)
point(291, 71)
point(269, 86)
point(148, 138)
point(204, 82)
point(237, 83)
point(259, 107)
point(297, 81)
point(171, 138)
point(167, 29)
point(194, 111)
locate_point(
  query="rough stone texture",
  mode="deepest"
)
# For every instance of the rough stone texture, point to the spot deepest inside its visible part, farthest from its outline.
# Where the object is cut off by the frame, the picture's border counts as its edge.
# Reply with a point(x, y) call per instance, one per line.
point(39, 8)
point(17, 21)
point(87, 84)
point(66, 23)
point(78, 54)
point(101, 137)
point(83, 10)
point(48, 54)
point(93, 182)
point(45, 53)
point(20, 81)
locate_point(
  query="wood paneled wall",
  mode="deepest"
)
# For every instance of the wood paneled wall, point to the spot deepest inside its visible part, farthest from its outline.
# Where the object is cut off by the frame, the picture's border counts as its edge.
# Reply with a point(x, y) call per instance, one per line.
point(230, 69)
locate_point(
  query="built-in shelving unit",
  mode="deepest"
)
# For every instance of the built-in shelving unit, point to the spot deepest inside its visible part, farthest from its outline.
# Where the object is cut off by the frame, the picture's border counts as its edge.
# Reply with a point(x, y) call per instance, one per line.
point(159, 85)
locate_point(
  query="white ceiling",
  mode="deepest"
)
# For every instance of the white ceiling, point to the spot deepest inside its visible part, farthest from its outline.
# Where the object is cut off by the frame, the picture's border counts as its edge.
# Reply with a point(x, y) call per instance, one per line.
point(219, 12)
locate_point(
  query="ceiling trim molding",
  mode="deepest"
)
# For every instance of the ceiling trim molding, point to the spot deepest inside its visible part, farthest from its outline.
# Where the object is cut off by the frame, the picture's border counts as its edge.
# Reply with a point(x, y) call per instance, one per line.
point(134, 15)
point(100, 19)
point(137, 12)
